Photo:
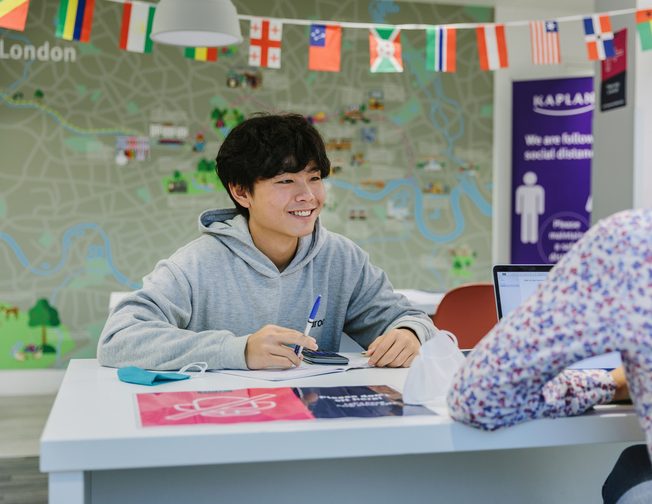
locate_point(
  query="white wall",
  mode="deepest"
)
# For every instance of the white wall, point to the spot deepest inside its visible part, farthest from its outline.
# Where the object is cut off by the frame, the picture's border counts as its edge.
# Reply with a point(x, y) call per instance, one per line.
point(622, 165)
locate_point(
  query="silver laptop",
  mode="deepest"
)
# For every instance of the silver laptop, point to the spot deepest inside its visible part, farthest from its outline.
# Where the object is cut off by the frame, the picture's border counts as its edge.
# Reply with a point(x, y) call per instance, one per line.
point(514, 283)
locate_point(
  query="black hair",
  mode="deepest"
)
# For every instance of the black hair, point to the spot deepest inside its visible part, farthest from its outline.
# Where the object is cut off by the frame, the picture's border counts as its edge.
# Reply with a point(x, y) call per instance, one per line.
point(265, 146)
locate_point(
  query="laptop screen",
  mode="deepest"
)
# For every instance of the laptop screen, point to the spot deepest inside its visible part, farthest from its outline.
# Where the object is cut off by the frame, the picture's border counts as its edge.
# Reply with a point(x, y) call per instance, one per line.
point(514, 283)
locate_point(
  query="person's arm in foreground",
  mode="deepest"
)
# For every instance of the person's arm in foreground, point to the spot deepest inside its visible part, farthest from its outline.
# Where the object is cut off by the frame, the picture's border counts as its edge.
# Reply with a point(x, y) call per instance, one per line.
point(597, 299)
point(147, 329)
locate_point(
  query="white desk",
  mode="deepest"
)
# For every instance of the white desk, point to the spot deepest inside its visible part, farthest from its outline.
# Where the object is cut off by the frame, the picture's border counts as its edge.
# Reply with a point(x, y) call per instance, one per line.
point(94, 451)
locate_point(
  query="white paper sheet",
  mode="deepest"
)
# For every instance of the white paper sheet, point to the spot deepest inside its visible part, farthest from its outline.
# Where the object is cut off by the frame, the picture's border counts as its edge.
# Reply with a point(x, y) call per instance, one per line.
point(303, 371)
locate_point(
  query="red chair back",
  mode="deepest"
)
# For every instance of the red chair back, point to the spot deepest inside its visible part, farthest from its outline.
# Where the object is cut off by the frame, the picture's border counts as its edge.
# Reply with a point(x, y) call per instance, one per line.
point(468, 311)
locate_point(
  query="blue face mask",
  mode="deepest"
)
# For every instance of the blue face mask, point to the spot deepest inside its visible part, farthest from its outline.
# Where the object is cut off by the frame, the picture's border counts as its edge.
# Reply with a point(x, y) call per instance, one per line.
point(140, 376)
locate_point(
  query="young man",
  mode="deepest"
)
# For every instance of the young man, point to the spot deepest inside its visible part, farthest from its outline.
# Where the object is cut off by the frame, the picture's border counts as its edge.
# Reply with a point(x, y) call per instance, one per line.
point(239, 296)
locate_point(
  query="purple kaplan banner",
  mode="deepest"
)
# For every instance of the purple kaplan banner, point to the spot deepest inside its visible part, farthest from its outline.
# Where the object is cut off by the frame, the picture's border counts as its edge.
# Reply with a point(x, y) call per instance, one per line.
point(552, 147)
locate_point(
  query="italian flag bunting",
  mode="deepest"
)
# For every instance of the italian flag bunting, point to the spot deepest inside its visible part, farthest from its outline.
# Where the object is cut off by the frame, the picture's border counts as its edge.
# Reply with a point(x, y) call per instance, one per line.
point(385, 50)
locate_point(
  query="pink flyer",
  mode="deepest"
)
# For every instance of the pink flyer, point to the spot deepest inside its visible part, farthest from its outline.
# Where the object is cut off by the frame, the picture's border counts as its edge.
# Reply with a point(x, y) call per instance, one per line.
point(221, 407)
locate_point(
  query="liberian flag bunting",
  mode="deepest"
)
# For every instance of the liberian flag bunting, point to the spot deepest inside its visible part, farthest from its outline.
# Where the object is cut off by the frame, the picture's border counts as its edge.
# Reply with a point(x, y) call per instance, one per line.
point(137, 19)
point(265, 43)
point(544, 38)
point(599, 37)
point(492, 47)
point(75, 20)
point(440, 49)
point(201, 53)
point(13, 14)
point(644, 28)
point(385, 50)
point(325, 48)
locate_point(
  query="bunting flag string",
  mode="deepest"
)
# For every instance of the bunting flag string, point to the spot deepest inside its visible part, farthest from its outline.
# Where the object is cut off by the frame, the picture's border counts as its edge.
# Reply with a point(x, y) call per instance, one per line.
point(492, 46)
point(441, 50)
point(385, 50)
point(544, 37)
point(599, 37)
point(201, 53)
point(265, 43)
point(137, 20)
point(644, 28)
point(325, 48)
point(13, 14)
point(75, 18)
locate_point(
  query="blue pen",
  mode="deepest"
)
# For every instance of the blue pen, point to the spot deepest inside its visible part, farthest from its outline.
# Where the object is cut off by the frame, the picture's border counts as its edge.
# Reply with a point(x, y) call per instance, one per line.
point(311, 318)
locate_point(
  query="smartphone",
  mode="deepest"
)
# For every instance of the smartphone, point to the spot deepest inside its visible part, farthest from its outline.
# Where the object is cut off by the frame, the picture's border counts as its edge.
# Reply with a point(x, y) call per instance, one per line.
point(324, 358)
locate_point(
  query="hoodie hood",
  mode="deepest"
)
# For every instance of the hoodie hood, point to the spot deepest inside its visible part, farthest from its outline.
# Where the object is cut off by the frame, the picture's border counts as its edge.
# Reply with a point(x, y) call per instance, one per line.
point(232, 230)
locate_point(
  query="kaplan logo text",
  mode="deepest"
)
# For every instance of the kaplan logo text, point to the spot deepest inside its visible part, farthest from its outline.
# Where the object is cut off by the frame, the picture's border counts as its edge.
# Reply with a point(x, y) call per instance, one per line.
point(563, 104)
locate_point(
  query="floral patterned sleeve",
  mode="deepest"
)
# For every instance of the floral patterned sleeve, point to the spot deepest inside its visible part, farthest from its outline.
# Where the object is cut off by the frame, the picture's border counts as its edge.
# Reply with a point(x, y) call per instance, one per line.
point(598, 299)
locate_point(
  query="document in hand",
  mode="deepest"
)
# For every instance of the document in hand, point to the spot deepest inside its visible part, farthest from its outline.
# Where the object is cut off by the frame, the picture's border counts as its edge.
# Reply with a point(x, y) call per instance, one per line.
point(303, 371)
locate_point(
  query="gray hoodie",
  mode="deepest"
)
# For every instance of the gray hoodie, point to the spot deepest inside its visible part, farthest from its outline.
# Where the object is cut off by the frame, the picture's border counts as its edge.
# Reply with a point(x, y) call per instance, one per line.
point(203, 302)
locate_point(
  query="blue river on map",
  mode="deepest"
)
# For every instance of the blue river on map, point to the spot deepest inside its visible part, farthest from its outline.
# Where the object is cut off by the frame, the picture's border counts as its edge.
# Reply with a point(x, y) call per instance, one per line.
point(467, 187)
point(68, 237)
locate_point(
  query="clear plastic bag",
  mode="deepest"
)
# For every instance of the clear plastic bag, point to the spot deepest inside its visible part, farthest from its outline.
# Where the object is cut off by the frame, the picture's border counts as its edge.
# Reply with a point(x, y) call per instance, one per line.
point(431, 372)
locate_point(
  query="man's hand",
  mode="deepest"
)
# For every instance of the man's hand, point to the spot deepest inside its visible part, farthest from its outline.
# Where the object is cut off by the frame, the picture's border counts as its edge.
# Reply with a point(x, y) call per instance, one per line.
point(622, 389)
point(266, 347)
point(396, 348)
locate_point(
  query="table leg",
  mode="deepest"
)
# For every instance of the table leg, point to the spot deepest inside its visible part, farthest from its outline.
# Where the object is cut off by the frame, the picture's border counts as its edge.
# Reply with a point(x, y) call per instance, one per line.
point(70, 487)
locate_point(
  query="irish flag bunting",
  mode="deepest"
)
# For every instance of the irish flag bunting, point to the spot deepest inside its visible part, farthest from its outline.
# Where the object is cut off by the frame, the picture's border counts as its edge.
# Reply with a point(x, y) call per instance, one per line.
point(265, 43)
point(75, 20)
point(201, 53)
point(492, 47)
point(13, 14)
point(385, 50)
point(644, 28)
point(440, 49)
point(137, 19)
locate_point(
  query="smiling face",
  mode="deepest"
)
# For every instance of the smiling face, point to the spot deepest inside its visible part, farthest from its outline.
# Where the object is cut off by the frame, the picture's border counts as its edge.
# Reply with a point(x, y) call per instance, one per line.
point(283, 208)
